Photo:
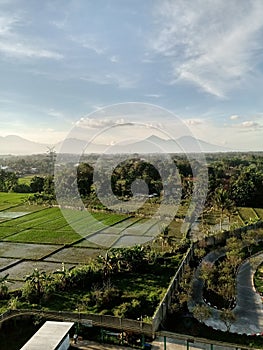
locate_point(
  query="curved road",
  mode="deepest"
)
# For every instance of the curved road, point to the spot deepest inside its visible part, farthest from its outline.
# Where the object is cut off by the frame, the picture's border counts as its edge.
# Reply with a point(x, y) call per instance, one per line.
point(248, 310)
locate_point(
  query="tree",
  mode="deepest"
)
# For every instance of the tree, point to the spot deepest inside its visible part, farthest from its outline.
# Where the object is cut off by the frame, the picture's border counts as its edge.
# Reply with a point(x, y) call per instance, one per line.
point(48, 187)
point(247, 188)
point(249, 238)
point(8, 180)
point(201, 312)
point(228, 317)
point(37, 184)
point(207, 273)
point(223, 203)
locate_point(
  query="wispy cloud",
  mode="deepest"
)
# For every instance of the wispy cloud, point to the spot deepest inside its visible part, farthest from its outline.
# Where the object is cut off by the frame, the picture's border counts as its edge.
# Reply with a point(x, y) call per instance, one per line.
point(153, 95)
point(211, 44)
point(121, 80)
point(18, 49)
point(194, 122)
point(13, 44)
point(88, 42)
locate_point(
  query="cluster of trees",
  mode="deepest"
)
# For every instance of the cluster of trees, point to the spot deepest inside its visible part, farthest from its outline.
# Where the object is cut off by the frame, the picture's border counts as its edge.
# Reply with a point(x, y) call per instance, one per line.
point(240, 175)
point(219, 278)
point(242, 180)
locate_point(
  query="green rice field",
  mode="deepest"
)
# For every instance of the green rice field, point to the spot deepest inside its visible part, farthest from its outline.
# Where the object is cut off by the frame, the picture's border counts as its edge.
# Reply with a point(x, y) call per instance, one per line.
point(34, 235)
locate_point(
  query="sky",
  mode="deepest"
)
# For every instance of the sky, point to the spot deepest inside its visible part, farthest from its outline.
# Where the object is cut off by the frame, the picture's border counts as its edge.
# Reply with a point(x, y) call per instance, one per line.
point(63, 61)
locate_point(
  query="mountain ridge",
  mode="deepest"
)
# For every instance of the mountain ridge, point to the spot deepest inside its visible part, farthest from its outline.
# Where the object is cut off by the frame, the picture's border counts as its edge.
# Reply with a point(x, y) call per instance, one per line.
point(17, 145)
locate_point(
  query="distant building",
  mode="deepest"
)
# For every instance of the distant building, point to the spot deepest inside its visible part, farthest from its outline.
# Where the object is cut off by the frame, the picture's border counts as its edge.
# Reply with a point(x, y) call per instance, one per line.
point(51, 336)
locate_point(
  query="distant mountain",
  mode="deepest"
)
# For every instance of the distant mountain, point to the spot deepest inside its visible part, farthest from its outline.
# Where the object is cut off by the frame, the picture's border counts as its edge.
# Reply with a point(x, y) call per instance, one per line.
point(76, 146)
point(17, 145)
point(155, 144)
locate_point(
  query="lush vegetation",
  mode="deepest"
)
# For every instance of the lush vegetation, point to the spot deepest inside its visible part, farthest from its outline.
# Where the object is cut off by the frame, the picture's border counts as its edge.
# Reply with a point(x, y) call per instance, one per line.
point(103, 284)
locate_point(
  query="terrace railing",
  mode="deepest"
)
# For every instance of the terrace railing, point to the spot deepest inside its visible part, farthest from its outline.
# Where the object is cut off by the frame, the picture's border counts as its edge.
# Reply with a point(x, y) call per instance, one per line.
point(106, 321)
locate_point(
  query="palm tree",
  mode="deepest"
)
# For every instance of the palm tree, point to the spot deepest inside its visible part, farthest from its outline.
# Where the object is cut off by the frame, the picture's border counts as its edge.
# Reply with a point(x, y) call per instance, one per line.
point(223, 203)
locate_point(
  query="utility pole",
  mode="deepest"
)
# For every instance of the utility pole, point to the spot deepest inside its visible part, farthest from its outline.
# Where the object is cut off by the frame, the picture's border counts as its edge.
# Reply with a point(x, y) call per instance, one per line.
point(51, 160)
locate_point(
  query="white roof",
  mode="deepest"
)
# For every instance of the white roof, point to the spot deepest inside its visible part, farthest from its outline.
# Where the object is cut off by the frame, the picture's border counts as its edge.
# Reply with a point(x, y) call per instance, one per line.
point(49, 336)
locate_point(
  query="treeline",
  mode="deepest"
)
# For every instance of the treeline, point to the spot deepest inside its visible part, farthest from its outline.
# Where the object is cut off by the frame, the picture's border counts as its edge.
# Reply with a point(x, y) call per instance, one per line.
point(239, 176)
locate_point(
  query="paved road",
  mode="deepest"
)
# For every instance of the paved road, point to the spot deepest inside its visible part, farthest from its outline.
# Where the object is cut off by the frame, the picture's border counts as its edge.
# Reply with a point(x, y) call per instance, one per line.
point(248, 310)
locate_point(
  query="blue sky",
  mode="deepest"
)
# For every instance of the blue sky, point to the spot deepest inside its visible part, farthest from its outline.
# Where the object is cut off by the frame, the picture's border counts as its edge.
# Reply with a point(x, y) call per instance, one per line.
point(61, 60)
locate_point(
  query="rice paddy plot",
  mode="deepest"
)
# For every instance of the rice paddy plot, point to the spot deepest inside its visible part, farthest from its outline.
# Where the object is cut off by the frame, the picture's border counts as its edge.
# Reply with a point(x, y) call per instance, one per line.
point(129, 241)
point(74, 255)
point(143, 226)
point(153, 231)
point(19, 271)
point(89, 225)
point(121, 226)
point(8, 200)
point(44, 236)
point(11, 214)
point(101, 239)
point(26, 220)
point(45, 217)
point(29, 208)
point(8, 231)
point(5, 262)
point(26, 250)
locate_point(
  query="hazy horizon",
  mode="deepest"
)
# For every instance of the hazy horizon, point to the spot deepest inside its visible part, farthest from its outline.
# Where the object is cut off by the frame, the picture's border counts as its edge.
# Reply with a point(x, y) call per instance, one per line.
point(201, 61)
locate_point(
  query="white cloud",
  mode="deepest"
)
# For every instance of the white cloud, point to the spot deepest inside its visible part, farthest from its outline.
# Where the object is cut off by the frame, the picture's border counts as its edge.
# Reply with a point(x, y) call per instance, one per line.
point(212, 44)
point(114, 59)
point(234, 117)
point(92, 123)
point(250, 124)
